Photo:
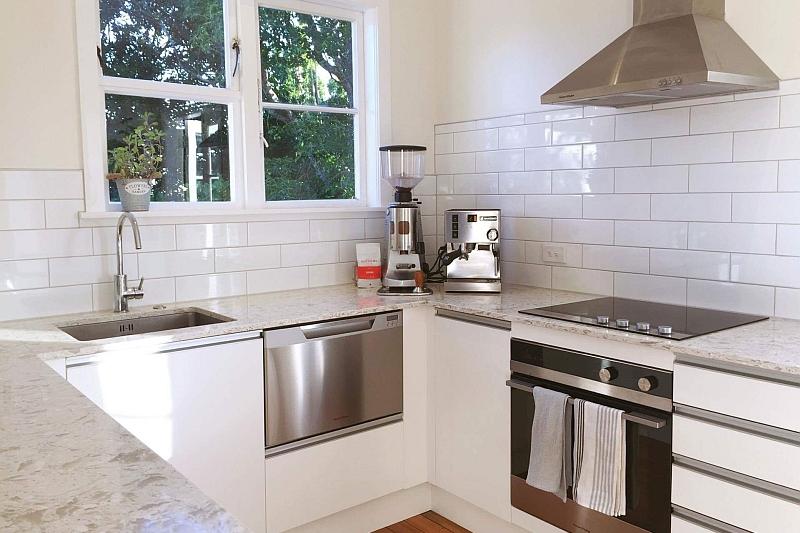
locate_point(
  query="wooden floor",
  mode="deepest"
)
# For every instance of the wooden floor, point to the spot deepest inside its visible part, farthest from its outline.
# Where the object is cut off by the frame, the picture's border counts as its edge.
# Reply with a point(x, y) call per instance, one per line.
point(429, 522)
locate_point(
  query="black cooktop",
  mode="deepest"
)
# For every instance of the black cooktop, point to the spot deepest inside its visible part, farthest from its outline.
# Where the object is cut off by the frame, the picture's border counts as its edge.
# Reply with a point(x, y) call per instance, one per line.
point(666, 321)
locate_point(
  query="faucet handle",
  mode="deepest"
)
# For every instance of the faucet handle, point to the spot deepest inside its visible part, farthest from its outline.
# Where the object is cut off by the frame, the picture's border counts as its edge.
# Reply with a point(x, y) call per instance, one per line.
point(141, 283)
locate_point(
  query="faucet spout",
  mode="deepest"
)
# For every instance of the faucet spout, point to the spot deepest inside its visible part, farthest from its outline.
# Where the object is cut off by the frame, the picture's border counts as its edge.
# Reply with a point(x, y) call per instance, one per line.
point(123, 293)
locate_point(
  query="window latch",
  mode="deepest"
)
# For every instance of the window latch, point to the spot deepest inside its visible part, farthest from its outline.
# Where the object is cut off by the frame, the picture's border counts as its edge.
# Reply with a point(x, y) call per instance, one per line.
point(101, 60)
point(236, 47)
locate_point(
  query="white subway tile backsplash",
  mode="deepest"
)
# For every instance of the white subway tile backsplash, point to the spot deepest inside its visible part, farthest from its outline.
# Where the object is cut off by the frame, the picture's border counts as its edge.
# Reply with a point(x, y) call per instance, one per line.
point(336, 230)
point(475, 141)
point(653, 288)
point(500, 122)
point(787, 303)
point(763, 145)
point(278, 232)
point(27, 274)
point(766, 270)
point(789, 240)
point(557, 113)
point(731, 297)
point(790, 111)
point(443, 144)
point(510, 206)
point(583, 130)
point(90, 269)
point(526, 274)
point(21, 214)
point(589, 181)
point(513, 250)
point(551, 206)
point(374, 227)
point(663, 123)
point(156, 291)
point(616, 258)
point(500, 161)
point(427, 206)
point(740, 115)
point(455, 163)
point(732, 237)
point(573, 254)
point(617, 206)
point(62, 213)
point(597, 111)
point(754, 176)
point(583, 280)
point(702, 207)
point(192, 236)
point(36, 244)
point(669, 104)
point(526, 229)
point(444, 184)
point(461, 201)
point(536, 182)
point(427, 186)
point(691, 264)
point(527, 136)
point(767, 207)
point(335, 274)
point(553, 158)
point(584, 231)
point(617, 154)
point(694, 149)
point(475, 184)
point(789, 175)
point(309, 254)
point(651, 234)
point(43, 302)
point(277, 279)
point(154, 239)
point(247, 258)
point(178, 263)
point(210, 286)
point(455, 127)
point(41, 184)
point(652, 179)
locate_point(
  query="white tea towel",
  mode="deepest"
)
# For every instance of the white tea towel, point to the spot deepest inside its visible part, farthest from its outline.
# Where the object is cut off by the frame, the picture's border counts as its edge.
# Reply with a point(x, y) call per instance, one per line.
point(551, 439)
point(599, 458)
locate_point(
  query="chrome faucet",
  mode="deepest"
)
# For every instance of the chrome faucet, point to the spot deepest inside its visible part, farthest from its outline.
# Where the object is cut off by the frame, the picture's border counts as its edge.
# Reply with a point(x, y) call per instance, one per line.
point(122, 293)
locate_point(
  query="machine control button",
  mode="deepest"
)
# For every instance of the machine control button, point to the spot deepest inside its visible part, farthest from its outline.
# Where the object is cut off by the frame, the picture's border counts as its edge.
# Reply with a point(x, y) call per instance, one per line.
point(647, 383)
point(492, 234)
point(643, 326)
point(608, 374)
point(602, 320)
point(623, 322)
point(665, 330)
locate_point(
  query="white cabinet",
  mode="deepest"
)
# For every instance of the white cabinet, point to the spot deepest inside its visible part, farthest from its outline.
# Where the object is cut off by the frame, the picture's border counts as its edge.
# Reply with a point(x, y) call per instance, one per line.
point(201, 408)
point(472, 413)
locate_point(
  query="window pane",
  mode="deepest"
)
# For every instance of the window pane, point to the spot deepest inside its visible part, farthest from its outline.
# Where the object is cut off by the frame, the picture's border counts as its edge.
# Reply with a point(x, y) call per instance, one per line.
point(196, 147)
point(310, 155)
point(179, 41)
point(306, 59)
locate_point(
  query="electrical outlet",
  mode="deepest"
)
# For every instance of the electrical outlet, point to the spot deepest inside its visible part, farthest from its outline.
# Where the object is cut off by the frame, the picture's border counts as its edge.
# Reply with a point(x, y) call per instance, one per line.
point(553, 254)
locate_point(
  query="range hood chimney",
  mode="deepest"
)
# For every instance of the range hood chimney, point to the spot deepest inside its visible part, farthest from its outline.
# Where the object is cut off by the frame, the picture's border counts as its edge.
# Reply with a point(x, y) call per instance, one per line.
point(676, 49)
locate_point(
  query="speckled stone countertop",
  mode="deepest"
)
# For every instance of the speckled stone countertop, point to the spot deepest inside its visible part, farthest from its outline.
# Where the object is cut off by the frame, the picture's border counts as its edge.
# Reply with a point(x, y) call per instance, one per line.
point(67, 466)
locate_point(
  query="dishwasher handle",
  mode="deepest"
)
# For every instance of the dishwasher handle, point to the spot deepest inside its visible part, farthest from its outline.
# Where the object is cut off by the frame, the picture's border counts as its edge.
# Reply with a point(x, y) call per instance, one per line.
point(329, 329)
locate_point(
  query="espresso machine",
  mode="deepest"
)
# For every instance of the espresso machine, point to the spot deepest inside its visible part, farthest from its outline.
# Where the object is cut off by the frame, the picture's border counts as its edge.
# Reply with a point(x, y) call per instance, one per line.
point(472, 238)
point(403, 166)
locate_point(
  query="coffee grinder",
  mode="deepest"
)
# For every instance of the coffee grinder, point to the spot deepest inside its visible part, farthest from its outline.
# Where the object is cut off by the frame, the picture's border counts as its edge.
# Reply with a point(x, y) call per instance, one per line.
point(403, 167)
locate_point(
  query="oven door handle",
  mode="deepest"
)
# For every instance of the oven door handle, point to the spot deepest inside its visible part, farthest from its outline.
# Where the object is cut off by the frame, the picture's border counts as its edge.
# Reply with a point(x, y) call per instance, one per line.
point(633, 417)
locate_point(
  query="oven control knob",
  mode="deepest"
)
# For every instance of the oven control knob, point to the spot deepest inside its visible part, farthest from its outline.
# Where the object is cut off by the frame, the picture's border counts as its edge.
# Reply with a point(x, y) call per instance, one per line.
point(623, 323)
point(647, 383)
point(607, 374)
point(643, 326)
point(492, 234)
point(602, 320)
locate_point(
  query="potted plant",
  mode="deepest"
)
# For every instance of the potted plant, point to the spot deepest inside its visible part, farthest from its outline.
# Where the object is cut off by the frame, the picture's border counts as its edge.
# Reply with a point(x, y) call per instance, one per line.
point(137, 164)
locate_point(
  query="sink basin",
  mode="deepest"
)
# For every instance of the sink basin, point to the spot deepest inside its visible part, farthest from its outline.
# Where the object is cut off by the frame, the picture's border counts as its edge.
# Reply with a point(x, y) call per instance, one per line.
point(143, 324)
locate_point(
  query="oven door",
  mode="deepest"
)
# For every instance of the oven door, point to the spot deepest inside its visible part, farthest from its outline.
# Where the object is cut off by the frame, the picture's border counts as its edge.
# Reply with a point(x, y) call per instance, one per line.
point(648, 476)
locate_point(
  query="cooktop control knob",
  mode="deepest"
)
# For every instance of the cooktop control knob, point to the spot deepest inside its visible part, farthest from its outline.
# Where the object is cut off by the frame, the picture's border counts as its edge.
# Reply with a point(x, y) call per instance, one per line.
point(647, 383)
point(607, 374)
point(492, 234)
point(623, 323)
point(602, 320)
point(643, 326)
point(665, 330)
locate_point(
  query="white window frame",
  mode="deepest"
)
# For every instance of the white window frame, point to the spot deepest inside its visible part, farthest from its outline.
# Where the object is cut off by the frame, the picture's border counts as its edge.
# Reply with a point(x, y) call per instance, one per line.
point(242, 95)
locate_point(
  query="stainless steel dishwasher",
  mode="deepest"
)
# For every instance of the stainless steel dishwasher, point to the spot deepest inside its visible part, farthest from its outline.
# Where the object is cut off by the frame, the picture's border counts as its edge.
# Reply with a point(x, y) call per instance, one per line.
point(332, 378)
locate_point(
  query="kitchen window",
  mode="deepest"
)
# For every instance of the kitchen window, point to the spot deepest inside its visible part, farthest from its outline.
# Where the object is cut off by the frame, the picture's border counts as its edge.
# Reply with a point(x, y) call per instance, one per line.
point(279, 120)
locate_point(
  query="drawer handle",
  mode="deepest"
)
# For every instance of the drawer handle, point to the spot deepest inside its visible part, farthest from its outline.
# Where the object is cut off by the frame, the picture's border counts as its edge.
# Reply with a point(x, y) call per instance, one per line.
point(317, 331)
point(705, 521)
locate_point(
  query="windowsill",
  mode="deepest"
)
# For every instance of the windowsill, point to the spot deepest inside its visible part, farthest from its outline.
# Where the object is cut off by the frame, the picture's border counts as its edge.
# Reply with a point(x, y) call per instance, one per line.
point(188, 216)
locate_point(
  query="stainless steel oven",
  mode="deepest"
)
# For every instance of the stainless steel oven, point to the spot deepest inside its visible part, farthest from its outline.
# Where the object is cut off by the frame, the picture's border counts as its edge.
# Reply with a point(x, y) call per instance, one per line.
point(332, 378)
point(644, 393)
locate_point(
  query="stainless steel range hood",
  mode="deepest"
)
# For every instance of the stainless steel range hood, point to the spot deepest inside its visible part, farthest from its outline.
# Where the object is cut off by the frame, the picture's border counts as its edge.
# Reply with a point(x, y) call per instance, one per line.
point(676, 49)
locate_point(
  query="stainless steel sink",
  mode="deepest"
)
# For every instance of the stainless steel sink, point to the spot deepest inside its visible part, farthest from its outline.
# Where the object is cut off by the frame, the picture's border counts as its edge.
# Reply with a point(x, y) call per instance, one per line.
point(143, 324)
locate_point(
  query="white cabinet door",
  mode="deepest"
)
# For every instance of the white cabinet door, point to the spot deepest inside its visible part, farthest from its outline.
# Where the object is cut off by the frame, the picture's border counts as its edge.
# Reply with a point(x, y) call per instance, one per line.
point(201, 409)
point(473, 413)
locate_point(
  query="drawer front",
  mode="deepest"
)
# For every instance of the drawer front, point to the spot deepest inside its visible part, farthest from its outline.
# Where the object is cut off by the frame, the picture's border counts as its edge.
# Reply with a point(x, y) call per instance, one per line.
point(733, 503)
point(753, 455)
point(679, 525)
point(759, 400)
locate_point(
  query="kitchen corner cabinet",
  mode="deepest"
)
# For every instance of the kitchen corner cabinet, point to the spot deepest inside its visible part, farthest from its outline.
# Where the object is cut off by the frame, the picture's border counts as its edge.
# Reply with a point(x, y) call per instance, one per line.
point(197, 405)
point(472, 412)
